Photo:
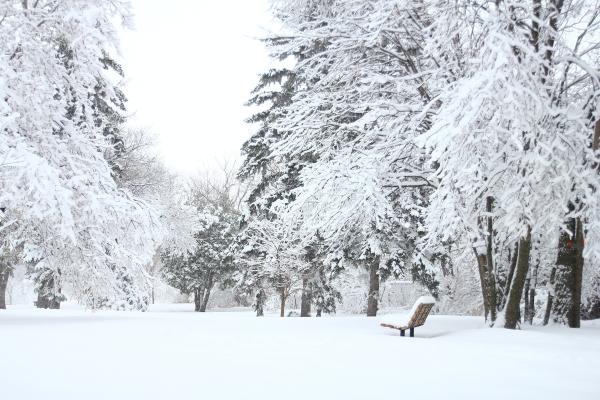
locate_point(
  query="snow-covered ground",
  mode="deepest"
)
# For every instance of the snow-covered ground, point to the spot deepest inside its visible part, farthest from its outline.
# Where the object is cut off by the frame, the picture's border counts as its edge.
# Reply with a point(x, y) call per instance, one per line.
point(171, 352)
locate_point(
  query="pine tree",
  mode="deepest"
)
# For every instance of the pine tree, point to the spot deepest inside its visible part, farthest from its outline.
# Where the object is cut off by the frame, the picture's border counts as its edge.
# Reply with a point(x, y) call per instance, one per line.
point(210, 262)
point(353, 115)
point(198, 272)
point(318, 274)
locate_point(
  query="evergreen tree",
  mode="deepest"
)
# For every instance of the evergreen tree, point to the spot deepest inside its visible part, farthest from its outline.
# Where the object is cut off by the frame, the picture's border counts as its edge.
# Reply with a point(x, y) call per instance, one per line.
point(199, 271)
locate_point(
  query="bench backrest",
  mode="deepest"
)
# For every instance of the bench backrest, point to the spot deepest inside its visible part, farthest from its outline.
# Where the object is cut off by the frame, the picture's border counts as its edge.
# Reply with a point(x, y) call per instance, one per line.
point(420, 315)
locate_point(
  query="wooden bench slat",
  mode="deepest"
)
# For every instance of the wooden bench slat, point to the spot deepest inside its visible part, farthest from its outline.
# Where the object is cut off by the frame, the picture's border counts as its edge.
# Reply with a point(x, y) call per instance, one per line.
point(417, 319)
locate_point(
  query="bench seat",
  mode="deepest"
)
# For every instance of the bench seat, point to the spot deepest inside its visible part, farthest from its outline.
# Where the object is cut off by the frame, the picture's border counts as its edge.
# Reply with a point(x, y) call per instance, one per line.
point(415, 318)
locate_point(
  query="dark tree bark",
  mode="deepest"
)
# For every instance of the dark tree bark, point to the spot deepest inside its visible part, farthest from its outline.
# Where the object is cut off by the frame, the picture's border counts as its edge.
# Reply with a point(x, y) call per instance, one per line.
point(282, 298)
point(529, 302)
point(530, 311)
point(197, 299)
point(481, 261)
point(526, 297)
point(206, 294)
point(260, 303)
point(512, 310)
point(488, 287)
point(205, 297)
point(372, 302)
point(491, 278)
point(485, 264)
point(4, 274)
point(305, 299)
point(319, 312)
point(529, 295)
point(511, 273)
point(569, 275)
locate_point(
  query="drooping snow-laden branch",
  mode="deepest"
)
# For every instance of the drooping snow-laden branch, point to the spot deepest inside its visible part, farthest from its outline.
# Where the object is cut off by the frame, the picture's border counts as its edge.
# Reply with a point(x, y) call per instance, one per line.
point(72, 217)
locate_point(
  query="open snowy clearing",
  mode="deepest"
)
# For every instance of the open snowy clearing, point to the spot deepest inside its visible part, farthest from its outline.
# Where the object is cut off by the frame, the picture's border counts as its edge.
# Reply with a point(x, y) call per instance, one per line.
point(170, 352)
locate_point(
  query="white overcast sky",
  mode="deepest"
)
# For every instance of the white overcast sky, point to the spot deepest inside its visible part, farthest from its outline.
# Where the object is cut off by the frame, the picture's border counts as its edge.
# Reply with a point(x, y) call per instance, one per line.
point(190, 66)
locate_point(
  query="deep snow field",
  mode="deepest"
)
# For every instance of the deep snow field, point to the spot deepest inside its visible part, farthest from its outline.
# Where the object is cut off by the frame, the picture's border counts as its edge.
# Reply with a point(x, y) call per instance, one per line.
point(173, 353)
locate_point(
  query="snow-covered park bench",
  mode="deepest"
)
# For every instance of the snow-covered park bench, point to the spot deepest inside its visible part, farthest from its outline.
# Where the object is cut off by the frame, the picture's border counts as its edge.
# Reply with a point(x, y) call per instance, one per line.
point(417, 316)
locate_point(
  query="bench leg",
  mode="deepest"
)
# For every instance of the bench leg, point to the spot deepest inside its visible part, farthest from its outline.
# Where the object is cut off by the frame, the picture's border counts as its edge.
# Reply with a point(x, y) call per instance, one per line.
point(402, 332)
point(412, 332)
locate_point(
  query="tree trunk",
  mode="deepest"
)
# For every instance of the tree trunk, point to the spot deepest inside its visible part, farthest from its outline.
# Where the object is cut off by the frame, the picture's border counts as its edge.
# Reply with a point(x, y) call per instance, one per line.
point(206, 294)
point(282, 298)
point(260, 303)
point(529, 301)
point(488, 287)
point(319, 311)
point(530, 312)
point(530, 293)
point(512, 310)
point(481, 268)
point(569, 275)
point(509, 278)
point(197, 299)
point(305, 299)
point(575, 321)
point(205, 298)
point(485, 263)
point(491, 278)
point(526, 297)
point(373, 288)
point(4, 274)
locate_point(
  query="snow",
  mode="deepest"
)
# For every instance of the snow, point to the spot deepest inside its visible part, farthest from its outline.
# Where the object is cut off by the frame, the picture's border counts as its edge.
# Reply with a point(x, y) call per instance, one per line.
point(403, 319)
point(171, 352)
point(422, 300)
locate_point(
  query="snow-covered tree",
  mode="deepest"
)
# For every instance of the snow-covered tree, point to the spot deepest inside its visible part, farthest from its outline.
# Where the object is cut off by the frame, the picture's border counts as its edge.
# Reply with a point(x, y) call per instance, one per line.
point(271, 178)
point(425, 133)
point(108, 114)
point(209, 262)
point(61, 208)
point(512, 138)
point(319, 273)
point(270, 263)
point(142, 172)
point(359, 83)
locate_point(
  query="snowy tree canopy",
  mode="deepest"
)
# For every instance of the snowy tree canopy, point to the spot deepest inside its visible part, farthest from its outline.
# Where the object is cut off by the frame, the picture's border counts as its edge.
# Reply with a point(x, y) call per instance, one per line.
point(62, 209)
point(428, 133)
